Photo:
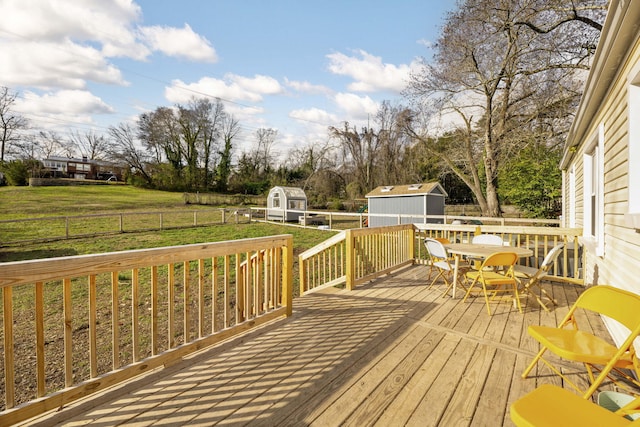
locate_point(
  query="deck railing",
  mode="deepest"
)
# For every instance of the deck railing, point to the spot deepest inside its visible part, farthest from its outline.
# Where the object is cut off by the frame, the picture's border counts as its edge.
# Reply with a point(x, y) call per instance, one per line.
point(76, 325)
point(354, 256)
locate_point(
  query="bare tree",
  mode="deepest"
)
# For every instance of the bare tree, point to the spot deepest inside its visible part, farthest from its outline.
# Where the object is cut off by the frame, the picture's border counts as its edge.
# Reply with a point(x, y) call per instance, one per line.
point(10, 121)
point(263, 154)
point(90, 144)
point(509, 77)
point(124, 148)
point(230, 129)
point(360, 152)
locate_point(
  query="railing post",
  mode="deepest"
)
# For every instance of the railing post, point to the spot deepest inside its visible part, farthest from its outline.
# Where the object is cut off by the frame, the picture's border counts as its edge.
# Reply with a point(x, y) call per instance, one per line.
point(287, 277)
point(411, 235)
point(350, 259)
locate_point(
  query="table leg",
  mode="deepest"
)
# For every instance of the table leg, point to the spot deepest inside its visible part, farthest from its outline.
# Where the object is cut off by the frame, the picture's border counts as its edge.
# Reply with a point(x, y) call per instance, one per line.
point(456, 264)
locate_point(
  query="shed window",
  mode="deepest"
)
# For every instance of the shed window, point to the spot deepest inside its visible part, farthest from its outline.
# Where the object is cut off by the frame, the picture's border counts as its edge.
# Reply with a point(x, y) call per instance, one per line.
point(593, 163)
point(415, 186)
point(387, 188)
point(276, 200)
point(296, 204)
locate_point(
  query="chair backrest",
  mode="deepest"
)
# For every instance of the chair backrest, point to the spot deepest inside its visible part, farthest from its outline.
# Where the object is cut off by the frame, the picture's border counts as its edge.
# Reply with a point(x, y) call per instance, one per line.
point(443, 240)
point(551, 257)
point(618, 304)
point(436, 249)
point(500, 259)
point(487, 239)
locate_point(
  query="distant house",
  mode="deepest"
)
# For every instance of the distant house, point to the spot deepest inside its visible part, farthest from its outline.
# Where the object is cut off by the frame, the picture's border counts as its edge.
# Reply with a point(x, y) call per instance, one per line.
point(283, 199)
point(601, 162)
point(84, 168)
point(403, 201)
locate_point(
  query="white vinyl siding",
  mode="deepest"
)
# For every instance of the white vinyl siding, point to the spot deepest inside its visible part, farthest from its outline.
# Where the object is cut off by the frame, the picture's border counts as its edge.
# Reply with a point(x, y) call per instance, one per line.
point(634, 140)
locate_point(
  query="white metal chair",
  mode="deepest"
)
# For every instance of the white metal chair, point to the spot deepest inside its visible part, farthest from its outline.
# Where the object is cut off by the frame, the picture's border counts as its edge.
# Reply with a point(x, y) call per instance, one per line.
point(487, 239)
point(441, 261)
point(532, 276)
point(484, 239)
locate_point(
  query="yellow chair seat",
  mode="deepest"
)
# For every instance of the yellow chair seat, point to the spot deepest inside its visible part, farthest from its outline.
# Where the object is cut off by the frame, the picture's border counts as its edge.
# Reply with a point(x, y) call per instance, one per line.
point(576, 345)
point(550, 405)
point(490, 277)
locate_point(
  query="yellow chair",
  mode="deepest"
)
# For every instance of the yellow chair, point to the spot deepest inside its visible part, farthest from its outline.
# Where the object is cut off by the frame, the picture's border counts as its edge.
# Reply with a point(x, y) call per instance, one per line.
point(594, 352)
point(550, 405)
point(496, 274)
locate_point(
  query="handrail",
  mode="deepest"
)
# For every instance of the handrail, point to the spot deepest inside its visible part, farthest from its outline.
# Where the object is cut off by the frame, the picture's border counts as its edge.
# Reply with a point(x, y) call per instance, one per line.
point(114, 316)
point(354, 256)
point(361, 218)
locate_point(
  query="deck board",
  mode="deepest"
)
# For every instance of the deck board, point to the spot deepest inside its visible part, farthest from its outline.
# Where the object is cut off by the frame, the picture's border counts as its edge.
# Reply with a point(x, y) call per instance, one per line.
point(391, 352)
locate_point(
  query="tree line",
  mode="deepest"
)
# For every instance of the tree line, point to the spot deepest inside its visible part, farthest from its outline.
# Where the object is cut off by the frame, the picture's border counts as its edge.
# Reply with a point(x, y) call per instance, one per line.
point(486, 115)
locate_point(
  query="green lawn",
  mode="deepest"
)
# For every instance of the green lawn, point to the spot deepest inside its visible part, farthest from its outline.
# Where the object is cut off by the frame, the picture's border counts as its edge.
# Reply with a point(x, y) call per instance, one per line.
point(30, 202)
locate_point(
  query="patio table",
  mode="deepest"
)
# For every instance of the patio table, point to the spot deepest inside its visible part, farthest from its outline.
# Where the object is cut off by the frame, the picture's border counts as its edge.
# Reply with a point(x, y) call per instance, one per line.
point(458, 250)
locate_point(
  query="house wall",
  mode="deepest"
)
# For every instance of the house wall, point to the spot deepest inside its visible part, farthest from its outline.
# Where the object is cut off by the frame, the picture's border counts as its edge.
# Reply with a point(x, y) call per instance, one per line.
point(619, 264)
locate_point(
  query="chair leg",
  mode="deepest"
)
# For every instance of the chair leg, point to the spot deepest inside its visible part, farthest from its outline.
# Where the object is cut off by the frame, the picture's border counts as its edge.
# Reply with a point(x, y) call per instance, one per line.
point(517, 297)
point(534, 362)
point(469, 289)
point(542, 290)
point(486, 297)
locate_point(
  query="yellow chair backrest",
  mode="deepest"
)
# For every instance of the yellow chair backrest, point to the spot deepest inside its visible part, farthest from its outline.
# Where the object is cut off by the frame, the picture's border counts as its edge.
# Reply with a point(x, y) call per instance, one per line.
point(500, 258)
point(618, 304)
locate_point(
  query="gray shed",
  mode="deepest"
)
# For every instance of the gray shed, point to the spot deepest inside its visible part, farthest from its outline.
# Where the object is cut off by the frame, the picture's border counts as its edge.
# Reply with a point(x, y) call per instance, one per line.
point(281, 199)
point(414, 199)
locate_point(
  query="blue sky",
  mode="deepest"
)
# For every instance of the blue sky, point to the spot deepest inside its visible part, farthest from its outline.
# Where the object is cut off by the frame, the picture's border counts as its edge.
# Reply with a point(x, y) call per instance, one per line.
point(295, 66)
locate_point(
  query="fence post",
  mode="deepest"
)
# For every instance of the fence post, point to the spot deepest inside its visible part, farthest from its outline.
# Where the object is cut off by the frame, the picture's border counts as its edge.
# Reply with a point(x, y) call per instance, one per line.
point(350, 261)
point(121, 223)
point(66, 226)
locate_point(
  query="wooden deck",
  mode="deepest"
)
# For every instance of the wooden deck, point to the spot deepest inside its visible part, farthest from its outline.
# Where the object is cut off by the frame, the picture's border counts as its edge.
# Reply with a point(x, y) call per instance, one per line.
point(389, 353)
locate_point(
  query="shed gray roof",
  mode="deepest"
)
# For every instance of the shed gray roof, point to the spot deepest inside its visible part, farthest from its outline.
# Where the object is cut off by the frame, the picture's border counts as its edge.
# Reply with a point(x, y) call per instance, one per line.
point(408, 190)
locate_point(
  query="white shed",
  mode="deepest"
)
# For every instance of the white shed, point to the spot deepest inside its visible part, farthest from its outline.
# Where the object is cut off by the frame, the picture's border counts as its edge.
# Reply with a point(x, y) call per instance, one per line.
point(405, 200)
point(283, 199)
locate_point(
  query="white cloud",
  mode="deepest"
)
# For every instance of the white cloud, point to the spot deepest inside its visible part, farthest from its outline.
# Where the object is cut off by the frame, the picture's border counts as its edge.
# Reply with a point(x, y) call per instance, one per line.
point(306, 87)
point(61, 65)
point(314, 115)
point(263, 85)
point(356, 107)
point(108, 24)
point(369, 72)
point(61, 109)
point(67, 101)
point(233, 88)
point(179, 42)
